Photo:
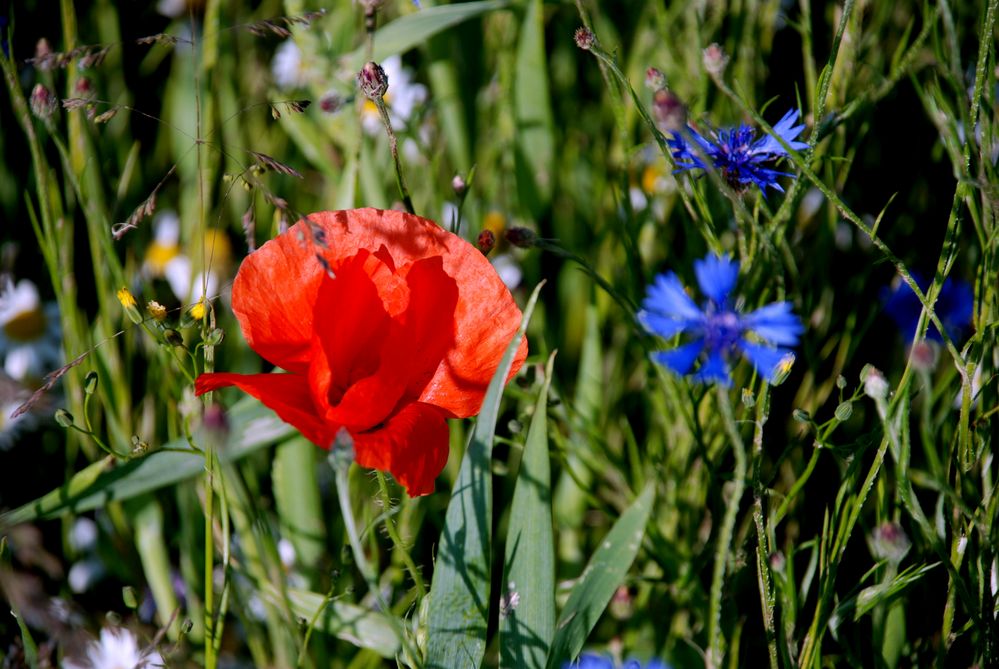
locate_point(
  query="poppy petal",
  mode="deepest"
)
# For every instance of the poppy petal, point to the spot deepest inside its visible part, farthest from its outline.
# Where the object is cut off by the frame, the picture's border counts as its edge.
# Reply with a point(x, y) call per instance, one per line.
point(287, 394)
point(412, 446)
point(485, 316)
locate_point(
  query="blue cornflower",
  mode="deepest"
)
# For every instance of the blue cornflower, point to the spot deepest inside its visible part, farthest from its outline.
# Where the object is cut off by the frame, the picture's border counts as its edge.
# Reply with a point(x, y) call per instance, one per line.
point(718, 330)
point(954, 307)
point(737, 154)
point(595, 661)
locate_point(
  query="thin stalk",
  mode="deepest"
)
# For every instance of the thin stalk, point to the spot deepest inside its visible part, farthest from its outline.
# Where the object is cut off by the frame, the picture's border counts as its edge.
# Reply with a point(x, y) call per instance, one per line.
point(715, 652)
point(210, 655)
point(767, 599)
point(397, 541)
point(400, 180)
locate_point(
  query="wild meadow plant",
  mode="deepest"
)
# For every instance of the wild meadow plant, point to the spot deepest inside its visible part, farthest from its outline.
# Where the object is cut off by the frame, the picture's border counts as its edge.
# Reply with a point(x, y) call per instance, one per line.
point(427, 335)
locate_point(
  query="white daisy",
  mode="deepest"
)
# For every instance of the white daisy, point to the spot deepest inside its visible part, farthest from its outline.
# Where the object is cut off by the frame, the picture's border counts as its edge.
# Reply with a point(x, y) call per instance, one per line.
point(402, 97)
point(287, 67)
point(29, 332)
point(116, 649)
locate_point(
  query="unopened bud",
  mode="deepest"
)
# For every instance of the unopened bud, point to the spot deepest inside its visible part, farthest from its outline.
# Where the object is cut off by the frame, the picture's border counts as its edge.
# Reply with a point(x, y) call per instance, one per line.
point(43, 102)
point(844, 411)
point(875, 385)
point(215, 337)
point(924, 356)
point(458, 185)
point(521, 237)
point(83, 87)
point(655, 79)
point(777, 561)
point(64, 418)
point(215, 423)
point(43, 55)
point(129, 598)
point(486, 241)
point(585, 39)
point(669, 110)
point(715, 59)
point(889, 542)
point(372, 81)
point(173, 337)
point(801, 416)
point(186, 626)
point(782, 369)
point(90, 383)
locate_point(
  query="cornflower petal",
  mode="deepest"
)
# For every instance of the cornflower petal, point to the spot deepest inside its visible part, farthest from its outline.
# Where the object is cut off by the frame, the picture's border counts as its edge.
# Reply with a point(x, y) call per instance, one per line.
point(667, 297)
point(680, 359)
point(787, 130)
point(775, 323)
point(716, 275)
point(714, 369)
point(764, 358)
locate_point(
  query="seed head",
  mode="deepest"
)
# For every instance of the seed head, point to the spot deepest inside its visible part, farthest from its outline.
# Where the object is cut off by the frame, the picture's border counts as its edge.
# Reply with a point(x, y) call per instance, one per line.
point(585, 39)
point(486, 241)
point(372, 81)
point(43, 102)
point(44, 58)
point(156, 310)
point(521, 237)
point(715, 59)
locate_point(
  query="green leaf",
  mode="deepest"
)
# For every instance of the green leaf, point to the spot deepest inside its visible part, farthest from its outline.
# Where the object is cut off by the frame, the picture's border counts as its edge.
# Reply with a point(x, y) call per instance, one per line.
point(412, 30)
point(459, 594)
point(601, 578)
point(527, 608)
point(535, 148)
point(253, 426)
point(297, 497)
point(355, 624)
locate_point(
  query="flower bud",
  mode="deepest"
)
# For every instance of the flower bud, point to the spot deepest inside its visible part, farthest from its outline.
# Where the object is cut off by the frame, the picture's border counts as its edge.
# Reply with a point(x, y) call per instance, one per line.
point(458, 185)
point(875, 385)
point(43, 102)
point(655, 79)
point(585, 39)
point(715, 59)
point(801, 416)
point(129, 597)
point(486, 241)
point(215, 337)
point(215, 424)
point(64, 418)
point(521, 237)
point(44, 58)
point(90, 383)
point(83, 87)
point(372, 81)
point(889, 542)
point(669, 110)
point(173, 337)
point(127, 301)
point(331, 103)
point(844, 411)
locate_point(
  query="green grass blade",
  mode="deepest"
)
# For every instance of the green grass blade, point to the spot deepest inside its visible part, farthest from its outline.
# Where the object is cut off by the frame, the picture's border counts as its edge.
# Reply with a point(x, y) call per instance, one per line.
point(412, 30)
point(602, 576)
point(535, 142)
point(527, 613)
point(253, 426)
point(459, 594)
point(299, 508)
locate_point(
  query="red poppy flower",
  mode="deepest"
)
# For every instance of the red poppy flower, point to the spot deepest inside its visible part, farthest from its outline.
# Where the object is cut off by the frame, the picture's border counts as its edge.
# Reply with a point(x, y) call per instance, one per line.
point(401, 329)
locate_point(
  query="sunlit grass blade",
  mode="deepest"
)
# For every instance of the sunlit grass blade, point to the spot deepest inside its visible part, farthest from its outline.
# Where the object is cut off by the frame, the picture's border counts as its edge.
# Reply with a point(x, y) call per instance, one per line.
point(527, 604)
point(414, 29)
point(535, 141)
point(605, 571)
point(459, 594)
point(299, 508)
point(253, 426)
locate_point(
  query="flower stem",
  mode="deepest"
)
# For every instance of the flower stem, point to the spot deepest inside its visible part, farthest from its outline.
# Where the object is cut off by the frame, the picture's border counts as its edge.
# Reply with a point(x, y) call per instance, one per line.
point(400, 181)
point(715, 653)
point(397, 542)
point(762, 541)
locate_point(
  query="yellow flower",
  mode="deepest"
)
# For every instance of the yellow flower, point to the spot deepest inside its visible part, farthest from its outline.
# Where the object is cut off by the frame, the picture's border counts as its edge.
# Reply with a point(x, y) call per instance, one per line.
point(156, 310)
point(198, 310)
point(126, 298)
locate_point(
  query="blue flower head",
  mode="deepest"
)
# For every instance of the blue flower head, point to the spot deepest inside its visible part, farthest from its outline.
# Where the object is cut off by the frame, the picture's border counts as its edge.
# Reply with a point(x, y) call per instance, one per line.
point(716, 331)
point(595, 661)
point(954, 307)
point(737, 154)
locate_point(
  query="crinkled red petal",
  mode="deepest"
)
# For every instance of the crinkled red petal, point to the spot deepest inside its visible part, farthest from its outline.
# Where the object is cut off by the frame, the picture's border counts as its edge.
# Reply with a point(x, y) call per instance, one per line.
point(287, 394)
point(412, 446)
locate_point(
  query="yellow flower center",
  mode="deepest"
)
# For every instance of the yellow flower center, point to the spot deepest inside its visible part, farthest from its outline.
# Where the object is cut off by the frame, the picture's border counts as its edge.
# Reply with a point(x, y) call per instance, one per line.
point(158, 255)
point(495, 222)
point(26, 326)
point(198, 310)
point(650, 178)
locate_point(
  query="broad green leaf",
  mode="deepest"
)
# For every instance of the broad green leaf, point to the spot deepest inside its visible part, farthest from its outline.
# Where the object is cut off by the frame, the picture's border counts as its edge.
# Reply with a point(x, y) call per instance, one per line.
point(414, 29)
point(299, 508)
point(459, 593)
point(535, 148)
point(355, 624)
point(252, 426)
point(527, 605)
point(147, 518)
point(601, 578)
